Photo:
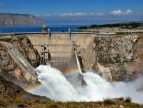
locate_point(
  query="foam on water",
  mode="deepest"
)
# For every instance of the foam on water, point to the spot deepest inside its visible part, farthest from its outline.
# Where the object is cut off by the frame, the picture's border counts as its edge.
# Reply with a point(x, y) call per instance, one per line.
point(58, 88)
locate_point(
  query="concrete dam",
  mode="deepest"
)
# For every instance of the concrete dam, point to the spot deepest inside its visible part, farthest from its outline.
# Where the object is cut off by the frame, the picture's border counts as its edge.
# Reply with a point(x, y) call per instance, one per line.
point(57, 48)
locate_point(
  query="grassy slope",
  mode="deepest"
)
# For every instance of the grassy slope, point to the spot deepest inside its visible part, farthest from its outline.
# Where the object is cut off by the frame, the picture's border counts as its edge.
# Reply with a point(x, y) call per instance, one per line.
point(6, 39)
point(44, 103)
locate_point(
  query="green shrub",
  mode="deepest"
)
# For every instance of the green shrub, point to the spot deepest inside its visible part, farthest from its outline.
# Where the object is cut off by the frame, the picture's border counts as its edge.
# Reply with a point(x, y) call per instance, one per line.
point(108, 102)
point(22, 105)
point(128, 100)
point(121, 98)
point(6, 39)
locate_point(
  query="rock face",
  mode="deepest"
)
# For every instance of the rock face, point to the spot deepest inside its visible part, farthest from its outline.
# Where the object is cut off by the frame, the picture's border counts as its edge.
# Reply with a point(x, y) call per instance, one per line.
point(122, 55)
point(24, 46)
point(6, 63)
point(8, 89)
point(18, 20)
point(13, 70)
point(13, 63)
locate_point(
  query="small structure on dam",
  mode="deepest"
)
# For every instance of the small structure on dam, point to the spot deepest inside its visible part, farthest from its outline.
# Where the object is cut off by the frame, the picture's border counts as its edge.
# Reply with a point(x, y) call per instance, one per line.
point(45, 56)
point(44, 28)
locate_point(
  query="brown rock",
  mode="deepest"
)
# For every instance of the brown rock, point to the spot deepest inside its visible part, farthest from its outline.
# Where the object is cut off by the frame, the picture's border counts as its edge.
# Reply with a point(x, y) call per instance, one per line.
point(9, 69)
point(123, 56)
point(24, 45)
point(6, 63)
point(9, 90)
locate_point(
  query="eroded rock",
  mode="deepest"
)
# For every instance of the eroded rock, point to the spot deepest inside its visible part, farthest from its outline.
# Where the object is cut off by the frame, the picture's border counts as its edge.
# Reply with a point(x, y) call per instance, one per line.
point(13, 70)
point(122, 55)
point(24, 45)
point(6, 63)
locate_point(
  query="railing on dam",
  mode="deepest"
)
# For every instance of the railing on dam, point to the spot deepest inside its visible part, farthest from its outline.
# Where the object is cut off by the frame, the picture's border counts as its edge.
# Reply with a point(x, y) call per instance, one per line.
point(82, 32)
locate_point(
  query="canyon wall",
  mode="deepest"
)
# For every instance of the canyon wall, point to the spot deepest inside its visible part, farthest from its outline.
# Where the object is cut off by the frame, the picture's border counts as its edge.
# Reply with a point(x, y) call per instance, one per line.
point(14, 67)
point(25, 47)
point(116, 58)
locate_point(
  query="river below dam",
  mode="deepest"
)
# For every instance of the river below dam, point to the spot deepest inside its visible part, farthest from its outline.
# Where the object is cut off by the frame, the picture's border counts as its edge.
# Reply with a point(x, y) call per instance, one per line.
point(56, 86)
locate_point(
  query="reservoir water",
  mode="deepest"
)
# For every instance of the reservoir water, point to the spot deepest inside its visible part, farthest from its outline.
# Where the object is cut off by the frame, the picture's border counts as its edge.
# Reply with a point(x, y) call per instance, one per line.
point(56, 28)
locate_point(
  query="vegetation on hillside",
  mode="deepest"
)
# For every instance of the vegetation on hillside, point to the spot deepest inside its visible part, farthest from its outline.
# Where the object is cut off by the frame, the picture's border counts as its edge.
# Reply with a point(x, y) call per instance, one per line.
point(44, 103)
point(128, 25)
point(6, 39)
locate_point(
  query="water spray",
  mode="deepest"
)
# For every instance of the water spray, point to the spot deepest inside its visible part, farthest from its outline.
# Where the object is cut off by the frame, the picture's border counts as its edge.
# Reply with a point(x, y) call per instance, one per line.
point(56, 87)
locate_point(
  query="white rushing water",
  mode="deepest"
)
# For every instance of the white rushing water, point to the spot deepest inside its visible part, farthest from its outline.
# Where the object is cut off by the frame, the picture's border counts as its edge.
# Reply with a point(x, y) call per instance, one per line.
point(58, 88)
point(78, 63)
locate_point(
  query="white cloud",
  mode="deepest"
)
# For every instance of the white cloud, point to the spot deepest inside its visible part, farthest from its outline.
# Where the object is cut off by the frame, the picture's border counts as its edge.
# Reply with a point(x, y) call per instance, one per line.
point(77, 14)
point(117, 12)
point(90, 14)
point(120, 12)
point(74, 14)
point(128, 12)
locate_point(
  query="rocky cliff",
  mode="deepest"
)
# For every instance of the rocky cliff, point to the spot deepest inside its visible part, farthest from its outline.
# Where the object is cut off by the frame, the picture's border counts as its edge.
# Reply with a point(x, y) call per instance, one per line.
point(117, 58)
point(7, 19)
point(14, 67)
point(24, 45)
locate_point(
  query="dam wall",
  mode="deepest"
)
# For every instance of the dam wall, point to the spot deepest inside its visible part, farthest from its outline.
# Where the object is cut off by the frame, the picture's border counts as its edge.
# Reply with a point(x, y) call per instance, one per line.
point(58, 39)
point(59, 45)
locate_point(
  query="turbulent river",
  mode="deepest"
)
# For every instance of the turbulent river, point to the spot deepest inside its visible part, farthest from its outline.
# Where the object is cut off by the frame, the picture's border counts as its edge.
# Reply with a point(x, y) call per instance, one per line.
point(58, 87)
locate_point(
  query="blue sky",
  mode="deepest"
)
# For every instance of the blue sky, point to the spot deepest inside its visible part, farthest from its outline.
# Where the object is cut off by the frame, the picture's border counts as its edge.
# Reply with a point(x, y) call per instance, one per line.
point(76, 11)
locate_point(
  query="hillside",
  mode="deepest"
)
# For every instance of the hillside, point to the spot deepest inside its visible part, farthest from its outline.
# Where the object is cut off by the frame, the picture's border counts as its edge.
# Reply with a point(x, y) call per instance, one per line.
point(7, 19)
point(124, 25)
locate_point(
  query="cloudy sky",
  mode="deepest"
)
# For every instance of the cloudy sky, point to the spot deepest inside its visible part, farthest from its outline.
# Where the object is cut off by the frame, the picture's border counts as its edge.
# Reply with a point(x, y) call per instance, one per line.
point(77, 11)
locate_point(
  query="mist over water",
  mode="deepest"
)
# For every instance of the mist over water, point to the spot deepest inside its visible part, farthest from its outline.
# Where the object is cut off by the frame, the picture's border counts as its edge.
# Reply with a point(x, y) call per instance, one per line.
point(57, 87)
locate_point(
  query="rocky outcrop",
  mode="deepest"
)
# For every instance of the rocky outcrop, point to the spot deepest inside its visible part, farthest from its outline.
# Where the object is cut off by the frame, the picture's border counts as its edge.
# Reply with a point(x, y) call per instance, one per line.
point(9, 89)
point(12, 92)
point(7, 19)
point(17, 61)
point(14, 67)
point(6, 63)
point(24, 46)
point(122, 56)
